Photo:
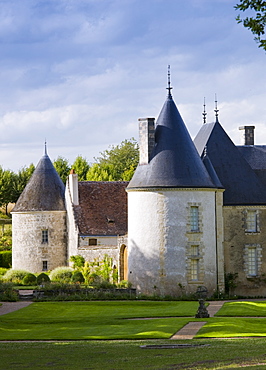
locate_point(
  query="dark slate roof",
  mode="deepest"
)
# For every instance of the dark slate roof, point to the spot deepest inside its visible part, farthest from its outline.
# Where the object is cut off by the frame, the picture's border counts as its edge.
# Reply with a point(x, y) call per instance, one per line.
point(242, 185)
point(102, 208)
point(44, 191)
point(255, 155)
point(175, 162)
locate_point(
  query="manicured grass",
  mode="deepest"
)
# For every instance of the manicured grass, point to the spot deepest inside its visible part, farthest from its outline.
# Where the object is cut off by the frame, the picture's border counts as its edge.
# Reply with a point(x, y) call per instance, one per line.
point(243, 308)
point(127, 355)
point(95, 320)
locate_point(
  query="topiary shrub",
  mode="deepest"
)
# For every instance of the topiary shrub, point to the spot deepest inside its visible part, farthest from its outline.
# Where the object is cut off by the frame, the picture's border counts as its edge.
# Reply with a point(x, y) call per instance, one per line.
point(77, 277)
point(29, 279)
point(42, 278)
point(61, 274)
point(15, 276)
point(5, 259)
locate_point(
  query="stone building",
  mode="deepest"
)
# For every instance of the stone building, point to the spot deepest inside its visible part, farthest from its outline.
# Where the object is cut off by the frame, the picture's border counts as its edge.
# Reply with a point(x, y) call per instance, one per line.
point(192, 214)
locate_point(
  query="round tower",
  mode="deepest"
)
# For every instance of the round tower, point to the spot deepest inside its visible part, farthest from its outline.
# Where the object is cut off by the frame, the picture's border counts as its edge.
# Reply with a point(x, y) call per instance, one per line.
point(39, 221)
point(174, 212)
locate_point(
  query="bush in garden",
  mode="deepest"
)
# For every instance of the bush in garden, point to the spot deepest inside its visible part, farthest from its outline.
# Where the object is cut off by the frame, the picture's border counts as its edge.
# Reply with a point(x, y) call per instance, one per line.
point(77, 277)
point(78, 261)
point(8, 293)
point(5, 259)
point(15, 276)
point(42, 278)
point(3, 270)
point(61, 274)
point(29, 279)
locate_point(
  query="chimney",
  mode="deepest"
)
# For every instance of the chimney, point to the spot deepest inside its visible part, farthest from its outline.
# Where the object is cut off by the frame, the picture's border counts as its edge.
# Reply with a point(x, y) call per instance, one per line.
point(146, 139)
point(247, 135)
point(73, 187)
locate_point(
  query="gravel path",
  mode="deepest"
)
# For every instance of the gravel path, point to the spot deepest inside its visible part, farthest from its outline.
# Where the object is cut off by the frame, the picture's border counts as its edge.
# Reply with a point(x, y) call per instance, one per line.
point(8, 307)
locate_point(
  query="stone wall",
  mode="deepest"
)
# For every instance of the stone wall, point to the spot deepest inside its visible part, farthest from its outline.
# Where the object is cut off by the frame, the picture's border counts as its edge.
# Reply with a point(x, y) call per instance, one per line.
point(28, 250)
point(160, 240)
point(236, 242)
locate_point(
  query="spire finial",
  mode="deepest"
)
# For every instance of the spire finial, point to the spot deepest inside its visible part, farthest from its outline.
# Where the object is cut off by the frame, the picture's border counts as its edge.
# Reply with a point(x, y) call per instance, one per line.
point(45, 147)
point(204, 112)
point(216, 110)
point(169, 88)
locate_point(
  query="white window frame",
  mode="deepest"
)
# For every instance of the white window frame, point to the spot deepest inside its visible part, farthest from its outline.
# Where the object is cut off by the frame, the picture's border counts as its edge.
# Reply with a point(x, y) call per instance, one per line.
point(194, 269)
point(194, 218)
point(252, 221)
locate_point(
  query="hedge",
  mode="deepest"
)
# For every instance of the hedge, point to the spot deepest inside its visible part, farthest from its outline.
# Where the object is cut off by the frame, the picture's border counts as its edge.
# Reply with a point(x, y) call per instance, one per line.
point(6, 259)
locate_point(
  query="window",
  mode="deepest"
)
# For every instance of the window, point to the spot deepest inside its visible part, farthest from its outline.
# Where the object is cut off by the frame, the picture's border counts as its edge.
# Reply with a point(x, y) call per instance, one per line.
point(44, 265)
point(252, 261)
point(252, 221)
point(92, 241)
point(194, 218)
point(194, 250)
point(44, 236)
point(194, 269)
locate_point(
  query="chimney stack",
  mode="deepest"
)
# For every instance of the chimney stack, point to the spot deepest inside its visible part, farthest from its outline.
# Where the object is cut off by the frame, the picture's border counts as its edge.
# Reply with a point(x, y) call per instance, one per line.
point(73, 187)
point(146, 139)
point(247, 136)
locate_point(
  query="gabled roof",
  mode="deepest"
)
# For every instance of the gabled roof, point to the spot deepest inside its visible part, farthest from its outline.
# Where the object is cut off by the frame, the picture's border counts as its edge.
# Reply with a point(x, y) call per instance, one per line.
point(102, 208)
point(242, 185)
point(44, 191)
point(175, 162)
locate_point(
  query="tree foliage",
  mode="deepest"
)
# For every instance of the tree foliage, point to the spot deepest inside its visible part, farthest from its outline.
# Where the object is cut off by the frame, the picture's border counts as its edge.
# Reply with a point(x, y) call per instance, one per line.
point(81, 167)
point(117, 163)
point(62, 167)
point(256, 23)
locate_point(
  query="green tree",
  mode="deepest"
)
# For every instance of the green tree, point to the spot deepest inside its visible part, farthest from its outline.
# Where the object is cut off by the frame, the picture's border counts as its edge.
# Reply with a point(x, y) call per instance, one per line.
point(62, 167)
point(117, 163)
point(101, 172)
point(7, 187)
point(22, 178)
point(256, 23)
point(81, 167)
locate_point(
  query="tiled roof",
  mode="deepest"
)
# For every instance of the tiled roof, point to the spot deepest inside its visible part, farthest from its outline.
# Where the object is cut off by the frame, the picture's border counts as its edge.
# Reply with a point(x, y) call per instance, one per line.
point(44, 191)
point(102, 208)
point(175, 162)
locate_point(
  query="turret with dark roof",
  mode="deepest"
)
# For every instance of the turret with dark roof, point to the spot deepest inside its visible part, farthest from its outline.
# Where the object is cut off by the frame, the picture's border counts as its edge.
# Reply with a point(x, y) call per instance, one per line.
point(44, 191)
point(174, 162)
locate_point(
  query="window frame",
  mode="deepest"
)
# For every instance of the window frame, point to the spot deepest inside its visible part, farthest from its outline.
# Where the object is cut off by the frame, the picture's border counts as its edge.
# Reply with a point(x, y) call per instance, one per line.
point(45, 236)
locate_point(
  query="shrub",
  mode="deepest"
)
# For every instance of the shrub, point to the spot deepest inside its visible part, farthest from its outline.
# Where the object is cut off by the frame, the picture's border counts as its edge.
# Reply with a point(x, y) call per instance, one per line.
point(29, 279)
point(42, 278)
point(77, 277)
point(78, 261)
point(15, 276)
point(124, 284)
point(5, 259)
point(3, 271)
point(8, 293)
point(61, 274)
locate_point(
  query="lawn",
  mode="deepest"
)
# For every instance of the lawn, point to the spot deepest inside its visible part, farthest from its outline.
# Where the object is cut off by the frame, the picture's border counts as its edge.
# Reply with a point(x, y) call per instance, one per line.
point(243, 308)
point(96, 320)
point(127, 355)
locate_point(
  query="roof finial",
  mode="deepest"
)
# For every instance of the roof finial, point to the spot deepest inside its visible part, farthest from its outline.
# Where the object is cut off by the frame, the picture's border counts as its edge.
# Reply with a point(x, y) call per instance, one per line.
point(204, 112)
point(45, 147)
point(169, 88)
point(216, 110)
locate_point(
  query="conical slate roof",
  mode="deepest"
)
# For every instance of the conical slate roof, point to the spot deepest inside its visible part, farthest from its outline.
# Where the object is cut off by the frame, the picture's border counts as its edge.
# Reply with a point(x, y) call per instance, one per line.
point(44, 191)
point(241, 183)
point(175, 162)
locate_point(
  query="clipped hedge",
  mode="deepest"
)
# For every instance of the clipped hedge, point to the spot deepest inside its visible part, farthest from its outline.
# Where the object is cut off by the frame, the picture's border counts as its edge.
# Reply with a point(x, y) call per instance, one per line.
point(77, 277)
point(15, 276)
point(42, 278)
point(61, 274)
point(6, 259)
point(29, 279)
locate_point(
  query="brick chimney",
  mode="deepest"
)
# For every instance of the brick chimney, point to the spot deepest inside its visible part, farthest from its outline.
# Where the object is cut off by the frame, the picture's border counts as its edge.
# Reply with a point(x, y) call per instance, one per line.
point(146, 139)
point(73, 187)
point(247, 135)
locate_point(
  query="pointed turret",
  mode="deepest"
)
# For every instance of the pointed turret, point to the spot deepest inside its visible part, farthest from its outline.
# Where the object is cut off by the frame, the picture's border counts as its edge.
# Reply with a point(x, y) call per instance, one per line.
point(44, 191)
point(174, 161)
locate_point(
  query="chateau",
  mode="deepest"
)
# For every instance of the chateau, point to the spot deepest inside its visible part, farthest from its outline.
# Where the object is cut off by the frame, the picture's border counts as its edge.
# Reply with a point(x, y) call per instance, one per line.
point(192, 214)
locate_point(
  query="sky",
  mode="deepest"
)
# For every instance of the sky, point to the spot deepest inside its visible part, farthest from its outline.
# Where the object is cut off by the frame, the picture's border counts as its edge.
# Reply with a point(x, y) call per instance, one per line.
point(80, 73)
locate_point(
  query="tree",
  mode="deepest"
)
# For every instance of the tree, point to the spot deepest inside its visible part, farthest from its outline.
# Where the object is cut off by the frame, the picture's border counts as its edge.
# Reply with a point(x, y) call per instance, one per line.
point(81, 167)
point(7, 188)
point(22, 178)
point(117, 163)
point(62, 167)
point(255, 24)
